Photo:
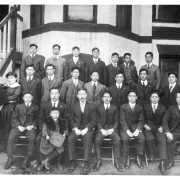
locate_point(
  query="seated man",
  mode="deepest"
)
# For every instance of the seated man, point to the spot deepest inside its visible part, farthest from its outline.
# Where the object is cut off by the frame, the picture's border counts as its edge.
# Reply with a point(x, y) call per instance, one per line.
point(24, 122)
point(131, 125)
point(171, 125)
point(83, 119)
point(154, 113)
point(108, 122)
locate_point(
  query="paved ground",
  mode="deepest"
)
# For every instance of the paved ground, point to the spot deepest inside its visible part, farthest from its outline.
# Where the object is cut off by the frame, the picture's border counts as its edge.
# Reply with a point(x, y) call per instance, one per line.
point(106, 169)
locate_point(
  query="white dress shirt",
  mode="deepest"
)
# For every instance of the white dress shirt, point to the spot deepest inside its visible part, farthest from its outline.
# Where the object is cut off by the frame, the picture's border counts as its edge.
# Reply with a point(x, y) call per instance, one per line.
point(145, 82)
point(82, 106)
point(173, 85)
point(126, 64)
point(55, 104)
point(29, 77)
point(132, 105)
point(75, 59)
point(32, 55)
point(107, 106)
point(51, 77)
point(149, 64)
point(75, 81)
point(93, 83)
point(95, 60)
point(27, 104)
point(117, 84)
point(154, 106)
point(114, 64)
point(56, 56)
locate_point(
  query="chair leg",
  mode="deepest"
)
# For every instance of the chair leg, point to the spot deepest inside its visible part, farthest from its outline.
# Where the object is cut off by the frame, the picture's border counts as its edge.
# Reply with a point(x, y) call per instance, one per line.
point(146, 159)
point(113, 154)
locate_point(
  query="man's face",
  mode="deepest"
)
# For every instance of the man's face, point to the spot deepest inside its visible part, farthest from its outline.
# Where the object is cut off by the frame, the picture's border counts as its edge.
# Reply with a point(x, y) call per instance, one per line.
point(11, 80)
point(143, 75)
point(50, 70)
point(54, 95)
point(30, 71)
point(95, 76)
point(95, 54)
point(178, 98)
point(106, 98)
point(82, 95)
point(75, 73)
point(119, 78)
point(148, 58)
point(132, 97)
point(172, 78)
point(54, 114)
point(115, 59)
point(33, 50)
point(27, 98)
point(56, 50)
point(75, 52)
point(127, 59)
point(154, 98)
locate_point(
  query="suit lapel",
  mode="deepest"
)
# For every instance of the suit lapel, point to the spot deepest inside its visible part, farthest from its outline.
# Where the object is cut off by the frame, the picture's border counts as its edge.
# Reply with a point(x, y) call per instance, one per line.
point(72, 84)
point(32, 82)
point(53, 81)
point(30, 109)
point(174, 90)
point(158, 108)
point(29, 59)
point(141, 86)
point(92, 64)
point(24, 108)
point(135, 108)
point(97, 88)
point(122, 89)
point(147, 88)
point(115, 90)
point(47, 83)
point(176, 109)
point(98, 64)
point(129, 108)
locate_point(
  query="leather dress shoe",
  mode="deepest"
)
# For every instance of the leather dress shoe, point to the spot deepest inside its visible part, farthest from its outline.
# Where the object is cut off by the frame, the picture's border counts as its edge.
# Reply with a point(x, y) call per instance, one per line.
point(162, 168)
point(139, 162)
point(151, 157)
point(127, 162)
point(40, 167)
point(169, 165)
point(98, 165)
point(72, 166)
point(8, 163)
point(25, 162)
point(86, 168)
point(117, 165)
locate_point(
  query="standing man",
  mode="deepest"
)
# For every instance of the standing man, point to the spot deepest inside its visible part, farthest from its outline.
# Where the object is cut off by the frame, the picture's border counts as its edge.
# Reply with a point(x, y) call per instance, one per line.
point(94, 90)
point(131, 126)
point(129, 71)
point(171, 125)
point(70, 88)
point(74, 61)
point(154, 75)
point(113, 69)
point(57, 61)
point(31, 83)
point(143, 88)
point(34, 59)
point(168, 93)
point(83, 119)
point(49, 82)
point(95, 64)
point(108, 122)
point(154, 113)
point(119, 91)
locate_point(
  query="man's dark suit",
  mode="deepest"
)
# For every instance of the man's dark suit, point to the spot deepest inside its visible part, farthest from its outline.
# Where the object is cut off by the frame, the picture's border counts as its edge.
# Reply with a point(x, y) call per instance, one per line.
point(108, 121)
point(69, 64)
point(119, 98)
point(154, 121)
point(23, 116)
point(111, 74)
point(100, 67)
point(34, 86)
point(168, 99)
point(38, 63)
point(143, 94)
point(171, 123)
point(132, 120)
point(89, 120)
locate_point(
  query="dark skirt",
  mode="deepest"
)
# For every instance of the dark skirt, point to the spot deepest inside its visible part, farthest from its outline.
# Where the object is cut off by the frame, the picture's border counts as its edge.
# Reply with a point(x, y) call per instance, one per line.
point(5, 121)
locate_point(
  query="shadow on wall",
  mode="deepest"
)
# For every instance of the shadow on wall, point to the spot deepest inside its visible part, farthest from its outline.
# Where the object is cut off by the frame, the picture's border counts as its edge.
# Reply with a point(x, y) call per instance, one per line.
point(88, 57)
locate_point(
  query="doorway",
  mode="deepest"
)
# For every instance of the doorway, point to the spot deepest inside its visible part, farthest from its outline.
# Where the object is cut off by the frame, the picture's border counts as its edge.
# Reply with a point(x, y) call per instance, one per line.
point(169, 63)
point(4, 10)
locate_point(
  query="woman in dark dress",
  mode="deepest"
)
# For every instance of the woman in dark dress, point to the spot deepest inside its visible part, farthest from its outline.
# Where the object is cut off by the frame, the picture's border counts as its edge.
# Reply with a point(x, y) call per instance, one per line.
point(12, 90)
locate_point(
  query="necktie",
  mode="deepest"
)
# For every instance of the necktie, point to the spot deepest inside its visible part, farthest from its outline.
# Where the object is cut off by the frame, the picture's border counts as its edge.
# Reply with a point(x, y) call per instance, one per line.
point(82, 107)
point(170, 88)
point(107, 112)
point(132, 107)
point(126, 65)
point(55, 58)
point(95, 61)
point(27, 108)
point(143, 84)
point(119, 87)
point(29, 78)
point(54, 104)
point(94, 88)
point(115, 65)
point(148, 66)
point(33, 56)
point(154, 108)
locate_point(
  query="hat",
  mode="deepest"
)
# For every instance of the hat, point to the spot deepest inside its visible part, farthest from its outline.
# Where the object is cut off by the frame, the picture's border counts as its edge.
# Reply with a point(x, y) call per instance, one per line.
point(57, 139)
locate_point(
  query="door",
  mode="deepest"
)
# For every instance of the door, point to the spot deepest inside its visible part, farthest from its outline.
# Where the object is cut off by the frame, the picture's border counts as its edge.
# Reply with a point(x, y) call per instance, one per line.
point(169, 64)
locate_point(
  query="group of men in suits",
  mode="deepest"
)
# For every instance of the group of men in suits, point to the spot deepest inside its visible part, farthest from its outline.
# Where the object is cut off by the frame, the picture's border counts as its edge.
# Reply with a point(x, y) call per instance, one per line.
point(98, 100)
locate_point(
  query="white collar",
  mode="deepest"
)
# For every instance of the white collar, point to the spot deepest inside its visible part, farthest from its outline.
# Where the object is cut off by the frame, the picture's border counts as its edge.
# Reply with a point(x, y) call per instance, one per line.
point(150, 64)
point(30, 76)
point(126, 64)
point(13, 85)
point(52, 77)
point(56, 102)
point(32, 55)
point(75, 58)
point(106, 105)
point(154, 104)
point(82, 103)
point(74, 80)
point(172, 84)
point(57, 56)
point(132, 104)
point(95, 60)
point(29, 104)
point(179, 106)
point(94, 82)
point(117, 84)
point(145, 82)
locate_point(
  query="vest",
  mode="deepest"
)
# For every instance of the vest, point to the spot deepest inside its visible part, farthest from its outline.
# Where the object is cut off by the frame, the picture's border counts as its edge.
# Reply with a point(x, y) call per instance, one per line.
point(82, 120)
point(128, 76)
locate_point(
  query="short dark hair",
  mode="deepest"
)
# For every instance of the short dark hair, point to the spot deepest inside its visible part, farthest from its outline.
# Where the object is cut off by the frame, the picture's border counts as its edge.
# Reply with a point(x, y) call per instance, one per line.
point(117, 73)
point(50, 65)
point(33, 45)
point(155, 92)
point(75, 47)
point(113, 54)
point(143, 70)
point(81, 89)
point(57, 46)
point(107, 92)
point(55, 88)
point(95, 48)
point(30, 65)
point(75, 67)
point(127, 54)
point(172, 73)
point(132, 91)
point(149, 52)
point(27, 92)
point(94, 72)
point(54, 109)
point(11, 73)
